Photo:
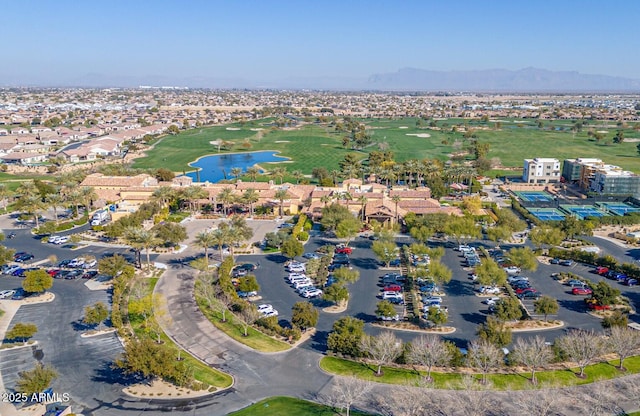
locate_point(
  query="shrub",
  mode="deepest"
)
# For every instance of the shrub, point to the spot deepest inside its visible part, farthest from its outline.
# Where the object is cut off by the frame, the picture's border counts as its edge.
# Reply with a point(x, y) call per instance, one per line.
point(303, 236)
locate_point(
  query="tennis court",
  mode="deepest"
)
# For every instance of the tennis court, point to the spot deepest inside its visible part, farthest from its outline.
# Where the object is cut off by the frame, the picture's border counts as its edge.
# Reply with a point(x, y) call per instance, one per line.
point(534, 196)
point(547, 214)
point(618, 208)
point(583, 211)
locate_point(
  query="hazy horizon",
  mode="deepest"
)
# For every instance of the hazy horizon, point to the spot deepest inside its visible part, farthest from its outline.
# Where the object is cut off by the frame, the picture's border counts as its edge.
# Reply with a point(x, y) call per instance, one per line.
point(262, 43)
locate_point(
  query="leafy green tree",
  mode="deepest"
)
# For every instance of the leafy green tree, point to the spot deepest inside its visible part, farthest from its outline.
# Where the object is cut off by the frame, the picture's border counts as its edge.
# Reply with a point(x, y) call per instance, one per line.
point(21, 332)
point(604, 293)
point(384, 251)
point(336, 293)
point(248, 283)
point(491, 274)
point(140, 238)
point(170, 233)
point(292, 248)
point(462, 228)
point(37, 281)
point(508, 309)
point(546, 305)
point(304, 315)
point(440, 273)
point(385, 309)
point(498, 234)
point(96, 314)
point(437, 316)
point(616, 319)
point(147, 358)
point(524, 258)
point(346, 275)
point(494, 332)
point(348, 228)
point(35, 381)
point(6, 255)
point(334, 214)
point(545, 236)
point(112, 265)
point(346, 336)
point(421, 233)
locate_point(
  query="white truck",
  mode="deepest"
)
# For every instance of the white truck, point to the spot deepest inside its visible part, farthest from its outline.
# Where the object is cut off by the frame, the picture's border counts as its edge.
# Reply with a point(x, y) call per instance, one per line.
point(99, 217)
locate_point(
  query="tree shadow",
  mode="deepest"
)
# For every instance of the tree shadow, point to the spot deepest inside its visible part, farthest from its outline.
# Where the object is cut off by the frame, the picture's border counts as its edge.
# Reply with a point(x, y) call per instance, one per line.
point(78, 325)
point(276, 258)
point(474, 318)
point(109, 373)
point(367, 263)
point(319, 341)
point(573, 305)
point(365, 317)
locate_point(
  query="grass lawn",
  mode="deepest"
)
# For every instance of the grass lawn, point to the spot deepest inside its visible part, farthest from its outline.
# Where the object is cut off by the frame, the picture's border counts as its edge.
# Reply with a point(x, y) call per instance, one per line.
point(514, 381)
point(288, 406)
point(201, 371)
point(317, 145)
point(232, 327)
point(12, 182)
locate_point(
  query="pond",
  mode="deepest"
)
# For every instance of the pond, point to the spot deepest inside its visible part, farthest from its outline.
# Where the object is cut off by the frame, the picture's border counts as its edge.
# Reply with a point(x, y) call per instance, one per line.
point(215, 168)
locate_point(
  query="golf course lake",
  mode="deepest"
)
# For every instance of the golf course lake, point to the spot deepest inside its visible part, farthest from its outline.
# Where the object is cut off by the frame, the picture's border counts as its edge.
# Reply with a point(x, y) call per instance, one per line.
point(215, 168)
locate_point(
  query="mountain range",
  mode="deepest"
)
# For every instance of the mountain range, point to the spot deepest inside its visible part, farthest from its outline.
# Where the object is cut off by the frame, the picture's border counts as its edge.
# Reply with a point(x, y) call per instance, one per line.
point(405, 79)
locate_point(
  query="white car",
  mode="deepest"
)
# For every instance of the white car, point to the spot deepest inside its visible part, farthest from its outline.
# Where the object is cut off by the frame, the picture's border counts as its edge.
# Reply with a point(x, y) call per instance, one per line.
point(299, 280)
point(269, 314)
point(312, 293)
point(311, 255)
point(304, 288)
point(489, 290)
point(77, 262)
point(265, 308)
point(90, 264)
point(6, 294)
point(59, 239)
point(432, 299)
point(492, 300)
point(11, 269)
point(302, 283)
point(294, 276)
point(513, 279)
point(395, 317)
point(512, 270)
point(392, 295)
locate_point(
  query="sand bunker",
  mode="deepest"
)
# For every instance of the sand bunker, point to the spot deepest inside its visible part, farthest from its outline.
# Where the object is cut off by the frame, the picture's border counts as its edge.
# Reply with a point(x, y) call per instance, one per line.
point(602, 131)
point(282, 141)
point(424, 135)
point(257, 129)
point(233, 128)
point(403, 127)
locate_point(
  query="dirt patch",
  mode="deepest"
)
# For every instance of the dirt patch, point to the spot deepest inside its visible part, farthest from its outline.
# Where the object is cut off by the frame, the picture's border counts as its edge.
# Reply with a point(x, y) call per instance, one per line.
point(159, 390)
point(533, 325)
point(336, 308)
point(411, 327)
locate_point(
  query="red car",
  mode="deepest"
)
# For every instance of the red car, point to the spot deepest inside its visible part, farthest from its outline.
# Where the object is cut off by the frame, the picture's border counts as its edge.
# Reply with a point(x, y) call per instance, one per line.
point(392, 288)
point(602, 270)
point(344, 250)
point(525, 289)
point(582, 291)
point(597, 307)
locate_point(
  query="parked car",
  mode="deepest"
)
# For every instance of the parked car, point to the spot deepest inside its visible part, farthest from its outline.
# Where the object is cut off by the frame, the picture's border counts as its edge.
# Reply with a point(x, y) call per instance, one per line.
point(265, 308)
point(631, 282)
point(601, 270)
point(554, 261)
point(9, 270)
point(489, 290)
point(524, 290)
point(311, 256)
point(77, 262)
point(582, 290)
point(492, 300)
point(19, 272)
point(521, 285)
point(431, 299)
point(512, 270)
point(395, 263)
point(392, 295)
point(90, 274)
point(395, 317)
point(344, 250)
point(529, 295)
point(429, 288)
point(73, 274)
point(313, 293)
point(23, 257)
point(90, 264)
point(513, 279)
point(6, 294)
point(247, 294)
point(392, 288)
point(567, 262)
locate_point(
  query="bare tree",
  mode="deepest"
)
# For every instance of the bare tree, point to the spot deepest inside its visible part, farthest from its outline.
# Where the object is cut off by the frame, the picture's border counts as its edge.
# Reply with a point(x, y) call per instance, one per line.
point(223, 302)
point(630, 387)
point(472, 399)
point(429, 350)
point(624, 341)
point(381, 349)
point(542, 402)
point(348, 391)
point(533, 353)
point(485, 357)
point(205, 290)
point(599, 399)
point(411, 401)
point(582, 347)
point(247, 316)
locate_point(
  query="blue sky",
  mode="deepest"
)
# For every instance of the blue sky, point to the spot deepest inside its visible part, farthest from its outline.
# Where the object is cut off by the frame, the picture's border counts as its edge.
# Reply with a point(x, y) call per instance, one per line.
point(51, 41)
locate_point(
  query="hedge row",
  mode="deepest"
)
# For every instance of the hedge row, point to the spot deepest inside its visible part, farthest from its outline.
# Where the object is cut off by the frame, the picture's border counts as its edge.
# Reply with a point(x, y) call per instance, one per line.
point(593, 259)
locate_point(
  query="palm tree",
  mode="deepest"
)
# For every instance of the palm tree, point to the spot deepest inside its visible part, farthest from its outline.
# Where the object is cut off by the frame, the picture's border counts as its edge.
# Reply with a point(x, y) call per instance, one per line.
point(236, 172)
point(396, 199)
point(204, 240)
point(75, 198)
point(279, 172)
point(335, 175)
point(225, 197)
point(253, 173)
point(88, 194)
point(55, 201)
point(192, 194)
point(250, 197)
point(221, 237)
point(281, 195)
point(298, 175)
point(32, 204)
point(140, 238)
point(164, 195)
point(325, 199)
point(363, 201)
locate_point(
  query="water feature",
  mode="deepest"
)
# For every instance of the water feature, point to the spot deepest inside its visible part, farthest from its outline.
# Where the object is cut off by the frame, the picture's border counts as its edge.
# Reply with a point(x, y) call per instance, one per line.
point(213, 168)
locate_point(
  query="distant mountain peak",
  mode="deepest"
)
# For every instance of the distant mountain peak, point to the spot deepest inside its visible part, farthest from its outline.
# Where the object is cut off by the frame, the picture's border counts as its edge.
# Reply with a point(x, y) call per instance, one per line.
point(528, 79)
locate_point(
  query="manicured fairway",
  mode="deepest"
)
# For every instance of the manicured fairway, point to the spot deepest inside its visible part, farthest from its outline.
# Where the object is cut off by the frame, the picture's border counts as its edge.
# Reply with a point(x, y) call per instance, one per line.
point(288, 406)
point(318, 145)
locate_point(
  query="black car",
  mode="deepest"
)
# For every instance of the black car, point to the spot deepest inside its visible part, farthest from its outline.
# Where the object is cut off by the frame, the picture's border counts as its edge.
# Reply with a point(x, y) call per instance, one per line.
point(90, 274)
point(567, 262)
point(529, 295)
point(554, 261)
point(73, 274)
point(247, 266)
point(64, 263)
point(22, 257)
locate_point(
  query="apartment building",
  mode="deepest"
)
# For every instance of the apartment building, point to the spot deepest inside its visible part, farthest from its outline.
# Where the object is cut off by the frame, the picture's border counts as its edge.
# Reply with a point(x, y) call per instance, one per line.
point(541, 170)
point(593, 175)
